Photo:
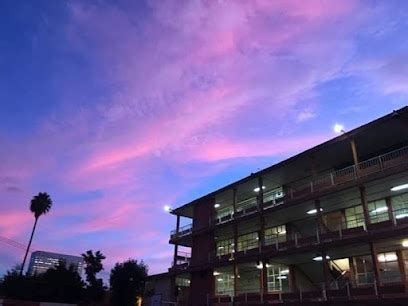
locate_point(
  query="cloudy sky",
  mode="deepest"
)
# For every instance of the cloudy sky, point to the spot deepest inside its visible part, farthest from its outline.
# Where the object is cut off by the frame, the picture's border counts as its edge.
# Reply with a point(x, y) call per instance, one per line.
point(116, 108)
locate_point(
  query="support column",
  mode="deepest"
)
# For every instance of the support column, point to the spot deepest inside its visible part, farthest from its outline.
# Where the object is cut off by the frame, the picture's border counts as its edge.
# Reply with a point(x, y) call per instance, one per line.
point(375, 263)
point(264, 277)
point(260, 194)
point(326, 273)
point(236, 279)
point(352, 272)
point(354, 151)
point(261, 232)
point(176, 245)
point(292, 278)
point(401, 265)
point(235, 225)
point(363, 196)
point(319, 216)
point(390, 212)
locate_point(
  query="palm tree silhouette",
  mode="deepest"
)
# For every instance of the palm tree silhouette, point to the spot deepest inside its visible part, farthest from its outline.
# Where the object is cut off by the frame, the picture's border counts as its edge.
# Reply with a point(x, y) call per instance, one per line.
point(40, 205)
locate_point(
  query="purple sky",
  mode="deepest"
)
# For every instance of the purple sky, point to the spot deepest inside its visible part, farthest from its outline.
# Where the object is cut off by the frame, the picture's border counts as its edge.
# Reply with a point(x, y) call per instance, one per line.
point(117, 108)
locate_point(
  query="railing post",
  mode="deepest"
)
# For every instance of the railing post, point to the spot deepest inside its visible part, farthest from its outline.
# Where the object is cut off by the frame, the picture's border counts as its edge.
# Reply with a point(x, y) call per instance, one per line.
point(277, 243)
point(317, 235)
point(311, 187)
point(296, 240)
point(340, 232)
point(331, 178)
point(348, 290)
point(375, 288)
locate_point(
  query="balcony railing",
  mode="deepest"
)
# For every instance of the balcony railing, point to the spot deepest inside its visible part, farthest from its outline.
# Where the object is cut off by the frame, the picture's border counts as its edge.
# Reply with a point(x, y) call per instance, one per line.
point(362, 169)
point(182, 231)
point(182, 260)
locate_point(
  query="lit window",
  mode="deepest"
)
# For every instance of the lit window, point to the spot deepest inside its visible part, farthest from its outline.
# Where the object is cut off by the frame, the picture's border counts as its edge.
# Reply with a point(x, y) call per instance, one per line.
point(378, 211)
point(248, 241)
point(354, 216)
point(275, 234)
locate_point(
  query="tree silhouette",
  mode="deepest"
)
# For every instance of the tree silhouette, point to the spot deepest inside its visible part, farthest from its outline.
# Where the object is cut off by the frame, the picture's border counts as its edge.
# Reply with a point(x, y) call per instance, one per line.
point(93, 265)
point(127, 281)
point(40, 205)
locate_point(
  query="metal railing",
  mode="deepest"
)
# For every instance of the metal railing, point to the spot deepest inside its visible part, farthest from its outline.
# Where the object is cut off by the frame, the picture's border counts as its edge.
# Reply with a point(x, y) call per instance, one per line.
point(350, 173)
point(182, 259)
point(182, 231)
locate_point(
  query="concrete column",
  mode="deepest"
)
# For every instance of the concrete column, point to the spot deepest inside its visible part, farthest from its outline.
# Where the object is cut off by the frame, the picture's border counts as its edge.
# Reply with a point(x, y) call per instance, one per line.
point(319, 217)
point(326, 273)
point(354, 151)
point(264, 277)
point(390, 212)
point(176, 245)
point(376, 266)
point(260, 193)
point(363, 196)
point(352, 271)
point(401, 265)
point(234, 200)
point(236, 279)
point(292, 278)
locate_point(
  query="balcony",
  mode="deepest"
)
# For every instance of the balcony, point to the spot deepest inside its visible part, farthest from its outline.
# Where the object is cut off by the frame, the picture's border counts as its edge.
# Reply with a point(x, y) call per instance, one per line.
point(181, 232)
point(324, 182)
point(182, 260)
point(351, 173)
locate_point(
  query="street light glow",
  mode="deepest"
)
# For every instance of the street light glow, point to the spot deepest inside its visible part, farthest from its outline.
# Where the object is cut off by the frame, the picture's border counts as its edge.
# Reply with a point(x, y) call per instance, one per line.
point(167, 208)
point(338, 128)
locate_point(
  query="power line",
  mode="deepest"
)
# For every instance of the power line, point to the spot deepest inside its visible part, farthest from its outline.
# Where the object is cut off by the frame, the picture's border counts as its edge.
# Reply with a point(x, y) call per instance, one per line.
point(13, 243)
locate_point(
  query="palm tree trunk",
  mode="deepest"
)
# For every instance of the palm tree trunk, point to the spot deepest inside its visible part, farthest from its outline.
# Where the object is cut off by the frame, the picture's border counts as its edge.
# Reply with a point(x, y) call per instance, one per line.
point(28, 247)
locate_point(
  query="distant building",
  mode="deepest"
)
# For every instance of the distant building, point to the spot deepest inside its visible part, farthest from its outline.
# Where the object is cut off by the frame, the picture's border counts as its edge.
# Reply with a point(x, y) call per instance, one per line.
point(41, 261)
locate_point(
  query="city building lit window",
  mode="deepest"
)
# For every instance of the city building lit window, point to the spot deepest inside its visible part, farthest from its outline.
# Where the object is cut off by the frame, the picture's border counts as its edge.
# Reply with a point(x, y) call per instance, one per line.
point(389, 270)
point(248, 241)
point(354, 216)
point(400, 206)
point(225, 247)
point(278, 278)
point(275, 235)
point(224, 281)
point(378, 211)
point(364, 270)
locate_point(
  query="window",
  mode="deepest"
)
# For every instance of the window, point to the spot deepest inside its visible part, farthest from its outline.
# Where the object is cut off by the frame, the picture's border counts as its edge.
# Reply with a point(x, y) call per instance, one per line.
point(224, 281)
point(249, 278)
point(275, 235)
point(378, 211)
point(273, 195)
point(248, 241)
point(364, 270)
point(225, 247)
point(388, 265)
point(278, 278)
point(224, 212)
point(354, 216)
point(400, 206)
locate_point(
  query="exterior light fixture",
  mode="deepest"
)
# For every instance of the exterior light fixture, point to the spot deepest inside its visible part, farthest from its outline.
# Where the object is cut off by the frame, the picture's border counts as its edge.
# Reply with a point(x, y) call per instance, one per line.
point(320, 258)
point(257, 189)
point(283, 272)
point(380, 209)
point(167, 208)
point(216, 273)
point(405, 243)
point(401, 216)
point(399, 187)
point(259, 265)
point(216, 205)
point(313, 211)
point(387, 257)
point(282, 277)
point(219, 279)
point(338, 128)
point(267, 265)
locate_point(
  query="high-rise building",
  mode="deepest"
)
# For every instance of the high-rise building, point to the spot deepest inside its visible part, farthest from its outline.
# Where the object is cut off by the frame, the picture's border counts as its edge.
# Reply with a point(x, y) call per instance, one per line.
point(41, 261)
point(329, 224)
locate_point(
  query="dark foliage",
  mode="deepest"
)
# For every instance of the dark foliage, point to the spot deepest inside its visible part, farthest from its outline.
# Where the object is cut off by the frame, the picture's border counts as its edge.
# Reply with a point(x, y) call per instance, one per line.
point(59, 284)
point(95, 289)
point(127, 281)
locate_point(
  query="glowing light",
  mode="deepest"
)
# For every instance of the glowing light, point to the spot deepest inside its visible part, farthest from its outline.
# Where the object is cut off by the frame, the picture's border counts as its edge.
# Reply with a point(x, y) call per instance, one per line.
point(259, 265)
point(320, 258)
point(405, 243)
point(216, 205)
point(282, 277)
point(380, 209)
point(338, 128)
point(313, 211)
point(284, 272)
point(387, 257)
point(216, 273)
point(257, 189)
point(167, 208)
point(401, 216)
point(399, 187)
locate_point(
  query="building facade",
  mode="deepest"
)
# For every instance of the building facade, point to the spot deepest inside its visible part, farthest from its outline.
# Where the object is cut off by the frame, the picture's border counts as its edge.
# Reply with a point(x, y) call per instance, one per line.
point(41, 261)
point(329, 225)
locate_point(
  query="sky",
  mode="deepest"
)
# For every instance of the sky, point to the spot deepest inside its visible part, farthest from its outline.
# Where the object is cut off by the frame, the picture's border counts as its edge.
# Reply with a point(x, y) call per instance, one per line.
point(117, 108)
